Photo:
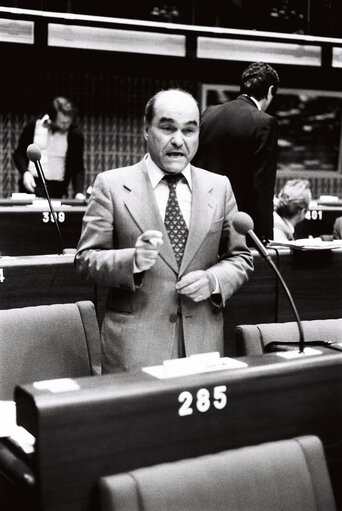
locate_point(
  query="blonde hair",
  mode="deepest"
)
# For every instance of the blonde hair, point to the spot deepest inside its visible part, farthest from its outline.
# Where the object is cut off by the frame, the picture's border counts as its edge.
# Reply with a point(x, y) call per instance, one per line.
point(293, 197)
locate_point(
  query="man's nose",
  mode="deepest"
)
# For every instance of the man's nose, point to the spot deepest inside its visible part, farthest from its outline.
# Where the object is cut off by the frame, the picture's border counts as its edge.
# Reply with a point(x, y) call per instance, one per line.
point(177, 138)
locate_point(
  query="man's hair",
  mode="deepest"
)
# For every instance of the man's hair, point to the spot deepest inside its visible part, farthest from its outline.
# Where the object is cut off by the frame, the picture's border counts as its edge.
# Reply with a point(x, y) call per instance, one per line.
point(150, 105)
point(257, 79)
point(293, 197)
point(61, 104)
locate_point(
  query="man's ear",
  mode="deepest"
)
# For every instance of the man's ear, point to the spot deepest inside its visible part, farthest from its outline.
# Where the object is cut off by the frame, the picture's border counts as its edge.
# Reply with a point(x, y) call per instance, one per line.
point(271, 91)
point(145, 132)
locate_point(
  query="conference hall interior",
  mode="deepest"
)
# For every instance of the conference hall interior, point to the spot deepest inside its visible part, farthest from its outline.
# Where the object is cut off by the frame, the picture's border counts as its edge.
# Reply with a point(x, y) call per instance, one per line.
point(254, 425)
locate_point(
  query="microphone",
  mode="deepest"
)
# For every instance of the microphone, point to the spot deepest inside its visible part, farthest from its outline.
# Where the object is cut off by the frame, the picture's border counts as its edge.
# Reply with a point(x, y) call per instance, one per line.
point(34, 154)
point(244, 224)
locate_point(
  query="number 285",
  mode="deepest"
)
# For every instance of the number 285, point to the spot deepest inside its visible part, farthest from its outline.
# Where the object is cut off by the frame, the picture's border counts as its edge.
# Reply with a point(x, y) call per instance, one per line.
point(202, 401)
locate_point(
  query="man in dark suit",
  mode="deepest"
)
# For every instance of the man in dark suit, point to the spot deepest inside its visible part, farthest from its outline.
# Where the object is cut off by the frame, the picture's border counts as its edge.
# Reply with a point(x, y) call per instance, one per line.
point(152, 233)
point(239, 139)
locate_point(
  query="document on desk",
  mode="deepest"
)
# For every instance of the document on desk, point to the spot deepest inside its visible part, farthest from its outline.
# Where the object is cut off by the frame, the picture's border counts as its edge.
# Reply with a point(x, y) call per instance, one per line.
point(195, 364)
point(9, 428)
point(308, 244)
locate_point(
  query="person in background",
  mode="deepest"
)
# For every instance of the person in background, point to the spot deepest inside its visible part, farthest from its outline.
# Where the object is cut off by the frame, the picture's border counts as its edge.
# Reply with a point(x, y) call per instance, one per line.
point(239, 139)
point(61, 144)
point(337, 228)
point(151, 233)
point(290, 208)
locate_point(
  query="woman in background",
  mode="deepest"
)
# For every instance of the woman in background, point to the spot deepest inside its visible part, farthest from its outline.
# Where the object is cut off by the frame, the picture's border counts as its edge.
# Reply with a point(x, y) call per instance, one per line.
point(290, 208)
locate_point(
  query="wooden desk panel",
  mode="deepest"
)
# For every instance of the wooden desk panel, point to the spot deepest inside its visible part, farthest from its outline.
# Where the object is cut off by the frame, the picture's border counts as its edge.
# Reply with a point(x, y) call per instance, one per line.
point(28, 230)
point(315, 282)
point(318, 220)
point(41, 280)
point(255, 302)
point(116, 423)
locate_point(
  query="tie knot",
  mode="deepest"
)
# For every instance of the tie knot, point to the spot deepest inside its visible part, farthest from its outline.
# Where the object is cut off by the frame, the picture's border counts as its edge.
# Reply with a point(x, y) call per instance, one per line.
point(172, 179)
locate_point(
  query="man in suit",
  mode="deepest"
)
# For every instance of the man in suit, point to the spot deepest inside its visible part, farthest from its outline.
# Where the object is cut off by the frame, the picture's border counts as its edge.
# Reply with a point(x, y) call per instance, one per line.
point(239, 140)
point(164, 301)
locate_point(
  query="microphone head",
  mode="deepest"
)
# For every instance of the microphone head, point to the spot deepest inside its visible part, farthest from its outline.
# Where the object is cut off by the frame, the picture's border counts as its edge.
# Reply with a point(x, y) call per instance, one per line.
point(33, 152)
point(242, 222)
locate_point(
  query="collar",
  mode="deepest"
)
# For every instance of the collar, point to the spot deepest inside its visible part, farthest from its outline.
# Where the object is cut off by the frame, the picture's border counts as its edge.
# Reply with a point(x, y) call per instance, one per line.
point(255, 101)
point(156, 174)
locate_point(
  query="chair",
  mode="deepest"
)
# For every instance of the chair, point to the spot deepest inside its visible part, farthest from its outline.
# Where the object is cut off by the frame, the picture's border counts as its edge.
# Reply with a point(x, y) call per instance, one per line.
point(46, 342)
point(40, 343)
point(286, 474)
point(252, 339)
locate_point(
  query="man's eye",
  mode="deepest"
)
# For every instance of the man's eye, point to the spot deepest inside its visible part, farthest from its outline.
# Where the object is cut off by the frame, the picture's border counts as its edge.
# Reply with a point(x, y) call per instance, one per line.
point(167, 128)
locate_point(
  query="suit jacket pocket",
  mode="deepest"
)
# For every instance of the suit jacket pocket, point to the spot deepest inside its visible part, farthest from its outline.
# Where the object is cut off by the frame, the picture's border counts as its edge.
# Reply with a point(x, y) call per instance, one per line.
point(120, 300)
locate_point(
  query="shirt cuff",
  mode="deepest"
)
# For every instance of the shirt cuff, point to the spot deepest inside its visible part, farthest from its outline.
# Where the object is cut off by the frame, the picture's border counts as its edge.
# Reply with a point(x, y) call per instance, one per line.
point(217, 287)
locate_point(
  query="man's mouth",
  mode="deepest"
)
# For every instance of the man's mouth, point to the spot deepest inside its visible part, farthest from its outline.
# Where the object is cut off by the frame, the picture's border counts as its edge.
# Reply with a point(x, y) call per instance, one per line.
point(175, 154)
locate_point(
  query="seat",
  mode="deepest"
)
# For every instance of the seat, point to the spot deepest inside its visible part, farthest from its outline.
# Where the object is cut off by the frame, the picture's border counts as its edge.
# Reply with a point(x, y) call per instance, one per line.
point(46, 342)
point(252, 339)
point(41, 343)
point(287, 474)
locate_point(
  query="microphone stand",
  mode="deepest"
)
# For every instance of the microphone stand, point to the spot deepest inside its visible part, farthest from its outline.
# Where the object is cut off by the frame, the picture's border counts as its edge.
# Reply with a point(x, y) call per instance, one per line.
point(272, 346)
point(243, 224)
point(293, 306)
point(40, 172)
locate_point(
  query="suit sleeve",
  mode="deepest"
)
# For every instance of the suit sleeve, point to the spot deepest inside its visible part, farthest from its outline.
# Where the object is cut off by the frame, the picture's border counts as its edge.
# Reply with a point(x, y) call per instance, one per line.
point(96, 260)
point(265, 154)
point(236, 264)
point(19, 156)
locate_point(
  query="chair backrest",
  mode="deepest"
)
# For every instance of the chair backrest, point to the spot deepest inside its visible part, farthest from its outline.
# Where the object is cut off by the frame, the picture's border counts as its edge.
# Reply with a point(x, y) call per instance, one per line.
point(286, 474)
point(46, 342)
point(252, 339)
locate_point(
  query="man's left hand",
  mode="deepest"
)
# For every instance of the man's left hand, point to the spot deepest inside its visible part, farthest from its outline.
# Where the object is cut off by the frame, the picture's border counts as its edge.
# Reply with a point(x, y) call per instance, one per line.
point(197, 285)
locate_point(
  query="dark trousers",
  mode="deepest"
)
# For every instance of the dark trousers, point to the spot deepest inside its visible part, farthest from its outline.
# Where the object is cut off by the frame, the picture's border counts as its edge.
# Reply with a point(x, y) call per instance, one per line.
point(56, 189)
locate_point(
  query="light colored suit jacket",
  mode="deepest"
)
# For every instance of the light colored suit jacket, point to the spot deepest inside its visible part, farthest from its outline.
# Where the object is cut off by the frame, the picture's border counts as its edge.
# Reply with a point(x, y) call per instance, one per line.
point(139, 325)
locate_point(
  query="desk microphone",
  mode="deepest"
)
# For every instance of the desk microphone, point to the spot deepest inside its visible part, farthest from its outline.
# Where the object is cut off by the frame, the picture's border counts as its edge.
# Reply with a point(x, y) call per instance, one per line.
point(243, 224)
point(34, 154)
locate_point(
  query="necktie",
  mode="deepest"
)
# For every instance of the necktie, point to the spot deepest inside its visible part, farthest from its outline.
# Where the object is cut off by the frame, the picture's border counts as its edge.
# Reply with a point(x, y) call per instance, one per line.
point(174, 221)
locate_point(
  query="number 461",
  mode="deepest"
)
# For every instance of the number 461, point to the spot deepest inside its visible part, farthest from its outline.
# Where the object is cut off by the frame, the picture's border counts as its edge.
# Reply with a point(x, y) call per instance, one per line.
point(202, 400)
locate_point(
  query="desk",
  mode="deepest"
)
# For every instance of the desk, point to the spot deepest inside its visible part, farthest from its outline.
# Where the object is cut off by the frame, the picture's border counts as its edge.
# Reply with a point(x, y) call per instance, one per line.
point(319, 219)
point(255, 302)
point(315, 282)
point(115, 423)
point(30, 230)
point(41, 280)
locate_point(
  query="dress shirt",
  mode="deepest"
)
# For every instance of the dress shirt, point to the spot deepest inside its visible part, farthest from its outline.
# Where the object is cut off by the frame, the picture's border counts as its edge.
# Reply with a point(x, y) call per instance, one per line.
point(161, 189)
point(184, 196)
point(257, 104)
point(53, 146)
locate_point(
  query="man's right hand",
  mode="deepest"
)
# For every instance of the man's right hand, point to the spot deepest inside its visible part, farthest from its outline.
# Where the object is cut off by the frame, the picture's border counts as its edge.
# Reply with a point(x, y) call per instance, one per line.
point(147, 248)
point(29, 182)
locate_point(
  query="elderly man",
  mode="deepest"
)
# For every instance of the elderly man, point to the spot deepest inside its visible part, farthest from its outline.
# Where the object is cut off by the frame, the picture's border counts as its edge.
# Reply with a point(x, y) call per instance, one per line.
point(152, 233)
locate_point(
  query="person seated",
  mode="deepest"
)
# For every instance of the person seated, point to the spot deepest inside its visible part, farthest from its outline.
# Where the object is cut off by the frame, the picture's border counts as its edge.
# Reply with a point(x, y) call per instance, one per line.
point(337, 229)
point(290, 208)
point(62, 145)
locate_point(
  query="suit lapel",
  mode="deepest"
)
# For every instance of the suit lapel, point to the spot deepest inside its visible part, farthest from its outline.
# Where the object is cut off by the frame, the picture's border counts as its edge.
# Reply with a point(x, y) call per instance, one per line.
point(202, 209)
point(142, 206)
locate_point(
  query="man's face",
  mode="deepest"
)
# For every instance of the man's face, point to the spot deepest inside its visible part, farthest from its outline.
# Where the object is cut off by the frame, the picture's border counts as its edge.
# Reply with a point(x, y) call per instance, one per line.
point(62, 122)
point(172, 136)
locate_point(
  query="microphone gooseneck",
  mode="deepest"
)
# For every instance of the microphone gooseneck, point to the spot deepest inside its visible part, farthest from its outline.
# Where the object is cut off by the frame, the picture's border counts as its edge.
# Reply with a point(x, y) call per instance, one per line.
point(34, 154)
point(244, 224)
